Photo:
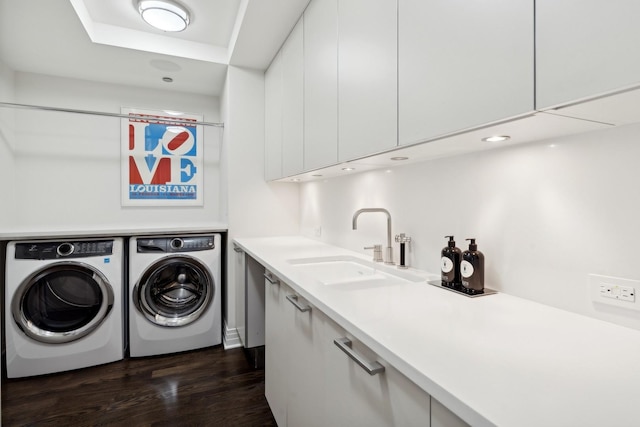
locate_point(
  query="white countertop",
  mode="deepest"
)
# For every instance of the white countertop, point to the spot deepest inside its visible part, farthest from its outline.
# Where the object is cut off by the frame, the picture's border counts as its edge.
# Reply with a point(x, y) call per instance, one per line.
point(492, 360)
point(34, 233)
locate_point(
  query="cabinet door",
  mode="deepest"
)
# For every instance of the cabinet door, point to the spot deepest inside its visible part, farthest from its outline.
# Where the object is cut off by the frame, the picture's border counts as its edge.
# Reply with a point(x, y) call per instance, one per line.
point(253, 303)
point(240, 284)
point(443, 417)
point(320, 84)
point(292, 102)
point(585, 48)
point(367, 77)
point(276, 351)
point(273, 119)
point(463, 64)
point(355, 398)
point(305, 377)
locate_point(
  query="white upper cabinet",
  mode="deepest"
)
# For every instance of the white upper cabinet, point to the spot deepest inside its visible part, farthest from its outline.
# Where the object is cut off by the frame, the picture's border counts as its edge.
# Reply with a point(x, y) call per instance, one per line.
point(320, 84)
point(293, 102)
point(273, 119)
point(585, 48)
point(463, 65)
point(367, 77)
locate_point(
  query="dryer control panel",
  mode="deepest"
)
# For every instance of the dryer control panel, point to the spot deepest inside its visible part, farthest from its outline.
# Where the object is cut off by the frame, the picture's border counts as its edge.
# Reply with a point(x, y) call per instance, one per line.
point(56, 250)
point(175, 244)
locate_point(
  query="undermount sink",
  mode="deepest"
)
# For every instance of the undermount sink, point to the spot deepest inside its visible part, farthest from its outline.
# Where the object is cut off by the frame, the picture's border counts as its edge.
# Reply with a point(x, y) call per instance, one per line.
point(344, 269)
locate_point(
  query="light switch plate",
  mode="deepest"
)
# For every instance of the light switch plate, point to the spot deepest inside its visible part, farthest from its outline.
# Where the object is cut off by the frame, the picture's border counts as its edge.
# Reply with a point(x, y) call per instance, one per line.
point(614, 291)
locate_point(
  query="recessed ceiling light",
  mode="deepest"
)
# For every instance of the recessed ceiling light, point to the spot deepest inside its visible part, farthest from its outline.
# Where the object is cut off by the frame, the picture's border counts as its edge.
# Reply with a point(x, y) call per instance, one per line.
point(497, 138)
point(167, 79)
point(399, 158)
point(316, 176)
point(348, 169)
point(295, 179)
point(164, 15)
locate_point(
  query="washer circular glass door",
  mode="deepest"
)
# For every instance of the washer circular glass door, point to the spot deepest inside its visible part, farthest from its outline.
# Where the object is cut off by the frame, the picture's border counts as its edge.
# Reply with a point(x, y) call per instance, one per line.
point(174, 291)
point(62, 302)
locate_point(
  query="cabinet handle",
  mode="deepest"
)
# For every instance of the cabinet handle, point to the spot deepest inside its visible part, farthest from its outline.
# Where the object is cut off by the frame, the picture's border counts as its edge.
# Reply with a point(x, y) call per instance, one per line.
point(237, 249)
point(372, 368)
point(293, 299)
point(271, 279)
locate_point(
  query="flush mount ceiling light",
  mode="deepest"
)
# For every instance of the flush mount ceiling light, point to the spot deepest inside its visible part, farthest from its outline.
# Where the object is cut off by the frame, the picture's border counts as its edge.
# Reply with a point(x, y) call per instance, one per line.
point(348, 169)
point(399, 158)
point(164, 15)
point(497, 138)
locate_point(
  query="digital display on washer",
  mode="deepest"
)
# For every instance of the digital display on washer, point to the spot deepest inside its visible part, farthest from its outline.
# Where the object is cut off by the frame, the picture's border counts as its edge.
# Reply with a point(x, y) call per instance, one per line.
point(175, 244)
point(62, 249)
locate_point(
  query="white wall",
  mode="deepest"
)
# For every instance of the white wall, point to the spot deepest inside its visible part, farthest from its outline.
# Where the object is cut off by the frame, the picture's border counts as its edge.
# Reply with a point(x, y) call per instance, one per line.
point(7, 139)
point(545, 215)
point(255, 208)
point(67, 166)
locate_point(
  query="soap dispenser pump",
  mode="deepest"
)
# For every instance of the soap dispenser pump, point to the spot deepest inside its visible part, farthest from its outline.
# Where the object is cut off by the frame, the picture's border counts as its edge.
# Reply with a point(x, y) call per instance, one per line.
point(472, 269)
point(450, 265)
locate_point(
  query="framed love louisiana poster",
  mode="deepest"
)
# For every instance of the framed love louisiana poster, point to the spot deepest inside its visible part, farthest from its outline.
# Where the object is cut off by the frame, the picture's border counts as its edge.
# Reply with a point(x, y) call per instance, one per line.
point(162, 159)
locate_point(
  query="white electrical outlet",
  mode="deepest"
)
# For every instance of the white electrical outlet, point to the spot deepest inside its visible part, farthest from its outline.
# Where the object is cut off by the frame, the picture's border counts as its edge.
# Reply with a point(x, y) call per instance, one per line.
point(614, 291)
point(623, 293)
point(317, 231)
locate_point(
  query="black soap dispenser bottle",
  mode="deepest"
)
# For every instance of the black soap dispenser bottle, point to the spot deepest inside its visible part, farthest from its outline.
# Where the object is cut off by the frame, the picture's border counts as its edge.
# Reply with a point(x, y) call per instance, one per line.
point(472, 269)
point(450, 265)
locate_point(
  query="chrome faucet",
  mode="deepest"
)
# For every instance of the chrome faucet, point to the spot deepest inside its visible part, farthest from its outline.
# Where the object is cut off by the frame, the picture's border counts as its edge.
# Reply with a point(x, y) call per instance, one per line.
point(389, 250)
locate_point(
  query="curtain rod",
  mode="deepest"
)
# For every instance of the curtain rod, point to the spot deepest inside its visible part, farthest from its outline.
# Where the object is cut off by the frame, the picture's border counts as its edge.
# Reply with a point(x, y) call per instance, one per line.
point(100, 113)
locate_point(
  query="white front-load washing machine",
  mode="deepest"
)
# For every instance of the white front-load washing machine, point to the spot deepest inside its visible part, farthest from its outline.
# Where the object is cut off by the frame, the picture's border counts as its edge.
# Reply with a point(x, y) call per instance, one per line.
point(174, 293)
point(63, 305)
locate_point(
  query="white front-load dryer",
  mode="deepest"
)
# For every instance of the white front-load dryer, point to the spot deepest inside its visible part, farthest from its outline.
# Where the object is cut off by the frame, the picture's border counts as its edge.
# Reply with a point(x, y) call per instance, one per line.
point(174, 293)
point(63, 305)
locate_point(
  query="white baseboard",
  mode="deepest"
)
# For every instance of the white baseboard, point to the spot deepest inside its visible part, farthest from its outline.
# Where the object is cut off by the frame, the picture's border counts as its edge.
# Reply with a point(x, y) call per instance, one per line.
point(230, 337)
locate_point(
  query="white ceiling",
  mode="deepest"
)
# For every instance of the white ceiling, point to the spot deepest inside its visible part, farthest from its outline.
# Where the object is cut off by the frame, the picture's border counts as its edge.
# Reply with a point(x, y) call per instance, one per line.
point(107, 41)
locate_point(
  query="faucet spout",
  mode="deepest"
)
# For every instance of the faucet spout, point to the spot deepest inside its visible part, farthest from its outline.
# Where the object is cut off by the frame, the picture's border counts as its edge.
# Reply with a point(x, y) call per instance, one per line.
point(389, 251)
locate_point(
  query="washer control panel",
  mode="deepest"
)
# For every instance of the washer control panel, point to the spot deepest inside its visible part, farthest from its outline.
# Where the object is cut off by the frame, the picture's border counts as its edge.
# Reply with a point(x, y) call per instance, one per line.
point(57, 250)
point(175, 244)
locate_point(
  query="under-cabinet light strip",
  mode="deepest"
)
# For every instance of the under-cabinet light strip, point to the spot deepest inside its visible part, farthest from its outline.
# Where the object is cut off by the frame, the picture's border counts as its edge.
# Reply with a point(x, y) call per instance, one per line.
point(176, 121)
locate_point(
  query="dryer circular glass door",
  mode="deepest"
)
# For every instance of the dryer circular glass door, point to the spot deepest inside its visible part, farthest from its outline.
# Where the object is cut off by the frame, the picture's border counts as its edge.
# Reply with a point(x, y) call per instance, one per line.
point(62, 302)
point(174, 291)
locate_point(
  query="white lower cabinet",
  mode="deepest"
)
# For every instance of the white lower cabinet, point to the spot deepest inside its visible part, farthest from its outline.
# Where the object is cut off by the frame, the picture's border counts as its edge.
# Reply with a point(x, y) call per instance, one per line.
point(294, 378)
point(443, 417)
point(276, 349)
point(305, 379)
point(312, 382)
point(356, 398)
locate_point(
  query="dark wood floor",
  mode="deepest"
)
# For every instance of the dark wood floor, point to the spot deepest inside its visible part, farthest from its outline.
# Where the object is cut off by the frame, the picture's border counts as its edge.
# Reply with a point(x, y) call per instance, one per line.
point(210, 387)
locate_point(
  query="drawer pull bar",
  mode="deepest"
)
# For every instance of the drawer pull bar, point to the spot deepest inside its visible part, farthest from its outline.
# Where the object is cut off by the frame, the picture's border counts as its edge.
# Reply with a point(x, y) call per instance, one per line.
point(372, 368)
point(293, 299)
point(271, 279)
